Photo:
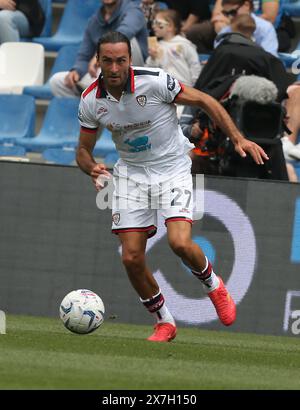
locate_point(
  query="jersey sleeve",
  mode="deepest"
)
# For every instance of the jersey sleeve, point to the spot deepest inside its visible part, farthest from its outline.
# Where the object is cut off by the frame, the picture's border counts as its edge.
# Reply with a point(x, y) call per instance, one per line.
point(87, 120)
point(168, 87)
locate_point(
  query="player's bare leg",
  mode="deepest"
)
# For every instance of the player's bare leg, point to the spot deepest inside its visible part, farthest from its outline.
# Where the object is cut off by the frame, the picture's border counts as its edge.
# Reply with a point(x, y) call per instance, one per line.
point(143, 281)
point(180, 240)
point(133, 258)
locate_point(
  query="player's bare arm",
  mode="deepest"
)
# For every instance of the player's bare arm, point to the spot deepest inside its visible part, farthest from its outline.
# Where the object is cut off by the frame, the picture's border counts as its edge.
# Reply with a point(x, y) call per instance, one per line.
point(191, 96)
point(86, 161)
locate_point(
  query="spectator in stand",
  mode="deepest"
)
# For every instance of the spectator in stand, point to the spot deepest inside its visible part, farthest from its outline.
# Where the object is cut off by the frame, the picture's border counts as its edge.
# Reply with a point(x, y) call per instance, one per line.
point(174, 53)
point(290, 147)
point(264, 34)
point(150, 8)
point(191, 11)
point(127, 17)
point(22, 18)
point(245, 25)
point(204, 34)
point(272, 11)
point(236, 55)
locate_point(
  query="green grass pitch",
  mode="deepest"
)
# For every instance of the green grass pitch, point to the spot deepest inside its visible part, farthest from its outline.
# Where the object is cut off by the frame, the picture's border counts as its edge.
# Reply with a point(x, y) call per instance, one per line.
point(39, 353)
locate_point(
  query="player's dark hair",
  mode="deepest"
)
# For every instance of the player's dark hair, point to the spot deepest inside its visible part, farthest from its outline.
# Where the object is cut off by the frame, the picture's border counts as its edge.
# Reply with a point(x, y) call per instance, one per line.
point(113, 37)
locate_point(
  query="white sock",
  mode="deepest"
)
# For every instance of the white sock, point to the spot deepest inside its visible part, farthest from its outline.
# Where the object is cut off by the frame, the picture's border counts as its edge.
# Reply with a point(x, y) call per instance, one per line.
point(208, 277)
point(157, 307)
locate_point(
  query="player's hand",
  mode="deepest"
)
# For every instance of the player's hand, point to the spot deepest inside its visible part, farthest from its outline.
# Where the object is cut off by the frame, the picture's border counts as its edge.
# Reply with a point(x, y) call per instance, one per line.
point(99, 174)
point(72, 78)
point(7, 5)
point(245, 146)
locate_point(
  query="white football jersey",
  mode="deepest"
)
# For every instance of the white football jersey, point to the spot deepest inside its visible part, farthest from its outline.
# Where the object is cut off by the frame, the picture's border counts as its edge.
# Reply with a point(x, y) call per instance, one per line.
point(143, 123)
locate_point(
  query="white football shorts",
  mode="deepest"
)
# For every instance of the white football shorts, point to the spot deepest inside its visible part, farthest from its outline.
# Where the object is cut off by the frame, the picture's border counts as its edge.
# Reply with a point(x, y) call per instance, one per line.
point(138, 198)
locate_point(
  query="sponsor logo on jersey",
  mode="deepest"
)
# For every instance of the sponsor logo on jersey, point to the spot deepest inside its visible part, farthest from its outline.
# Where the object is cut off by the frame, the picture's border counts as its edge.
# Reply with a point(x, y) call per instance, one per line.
point(142, 100)
point(138, 144)
point(170, 83)
point(113, 126)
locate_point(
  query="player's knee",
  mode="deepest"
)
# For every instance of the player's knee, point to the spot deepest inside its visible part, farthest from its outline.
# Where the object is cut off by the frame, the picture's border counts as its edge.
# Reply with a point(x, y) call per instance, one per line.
point(180, 246)
point(133, 260)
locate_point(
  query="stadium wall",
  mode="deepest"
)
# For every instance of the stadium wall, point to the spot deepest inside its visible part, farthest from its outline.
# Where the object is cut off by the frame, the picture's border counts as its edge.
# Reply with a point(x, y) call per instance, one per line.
point(54, 239)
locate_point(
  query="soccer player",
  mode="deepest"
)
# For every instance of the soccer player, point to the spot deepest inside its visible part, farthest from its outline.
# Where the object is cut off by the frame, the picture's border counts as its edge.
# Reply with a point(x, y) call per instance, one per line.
point(137, 105)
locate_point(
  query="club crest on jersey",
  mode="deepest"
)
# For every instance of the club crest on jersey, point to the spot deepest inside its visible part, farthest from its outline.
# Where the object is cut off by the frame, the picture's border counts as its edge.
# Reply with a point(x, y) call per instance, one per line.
point(170, 83)
point(116, 218)
point(142, 100)
point(102, 111)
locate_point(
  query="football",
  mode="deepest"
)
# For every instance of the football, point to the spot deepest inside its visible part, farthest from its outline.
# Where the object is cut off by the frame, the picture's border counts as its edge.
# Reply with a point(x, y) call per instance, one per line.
point(82, 311)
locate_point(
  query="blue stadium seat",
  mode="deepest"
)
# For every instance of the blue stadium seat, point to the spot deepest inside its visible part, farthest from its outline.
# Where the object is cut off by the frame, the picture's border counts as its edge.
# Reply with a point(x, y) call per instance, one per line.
point(47, 7)
point(63, 62)
point(288, 59)
point(72, 24)
point(60, 127)
point(17, 117)
point(162, 5)
point(66, 155)
point(296, 165)
point(111, 158)
point(63, 156)
point(291, 7)
point(203, 58)
point(11, 150)
point(104, 145)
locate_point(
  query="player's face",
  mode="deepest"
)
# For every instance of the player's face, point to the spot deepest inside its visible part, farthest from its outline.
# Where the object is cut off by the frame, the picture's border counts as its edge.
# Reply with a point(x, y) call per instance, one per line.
point(114, 61)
